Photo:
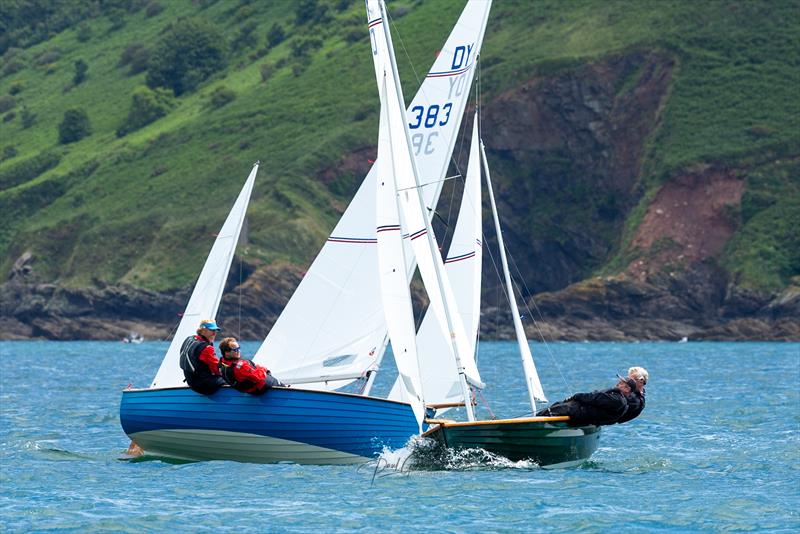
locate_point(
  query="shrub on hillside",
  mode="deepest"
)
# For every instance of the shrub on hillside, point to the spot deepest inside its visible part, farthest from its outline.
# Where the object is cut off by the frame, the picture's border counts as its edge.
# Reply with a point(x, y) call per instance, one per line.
point(74, 127)
point(266, 71)
point(189, 52)
point(9, 152)
point(81, 67)
point(153, 9)
point(27, 117)
point(303, 46)
point(136, 55)
point(7, 102)
point(275, 35)
point(147, 105)
point(16, 88)
point(246, 38)
point(84, 32)
point(310, 12)
point(221, 96)
point(47, 57)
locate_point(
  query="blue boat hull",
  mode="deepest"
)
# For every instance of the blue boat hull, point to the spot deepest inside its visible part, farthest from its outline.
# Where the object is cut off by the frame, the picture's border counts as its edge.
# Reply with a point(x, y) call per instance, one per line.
point(284, 425)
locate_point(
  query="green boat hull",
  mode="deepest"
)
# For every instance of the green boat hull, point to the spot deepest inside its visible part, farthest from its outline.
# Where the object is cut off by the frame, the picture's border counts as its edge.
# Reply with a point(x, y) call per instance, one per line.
point(549, 444)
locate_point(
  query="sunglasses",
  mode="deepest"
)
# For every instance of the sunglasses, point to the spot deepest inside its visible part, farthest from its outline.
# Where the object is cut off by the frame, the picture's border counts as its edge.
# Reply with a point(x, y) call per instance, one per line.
point(237, 349)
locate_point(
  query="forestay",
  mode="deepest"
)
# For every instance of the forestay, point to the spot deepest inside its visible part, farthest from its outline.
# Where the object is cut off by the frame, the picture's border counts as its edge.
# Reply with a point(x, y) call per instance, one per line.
point(333, 329)
point(207, 293)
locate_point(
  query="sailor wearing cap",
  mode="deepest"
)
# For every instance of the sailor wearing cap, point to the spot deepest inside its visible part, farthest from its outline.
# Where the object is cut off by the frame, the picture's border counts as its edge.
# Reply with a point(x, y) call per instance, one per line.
point(199, 362)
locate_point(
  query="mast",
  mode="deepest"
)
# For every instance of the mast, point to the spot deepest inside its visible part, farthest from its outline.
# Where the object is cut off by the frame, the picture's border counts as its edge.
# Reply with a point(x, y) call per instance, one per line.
point(429, 230)
point(535, 391)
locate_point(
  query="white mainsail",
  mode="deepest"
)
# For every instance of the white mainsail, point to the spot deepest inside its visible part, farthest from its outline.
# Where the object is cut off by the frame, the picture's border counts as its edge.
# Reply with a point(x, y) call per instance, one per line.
point(393, 272)
point(333, 329)
point(207, 292)
point(440, 383)
point(413, 210)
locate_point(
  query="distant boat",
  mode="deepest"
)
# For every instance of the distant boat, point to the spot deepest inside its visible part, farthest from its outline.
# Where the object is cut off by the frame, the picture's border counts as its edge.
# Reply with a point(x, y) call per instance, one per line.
point(684, 339)
point(336, 327)
point(445, 344)
point(133, 337)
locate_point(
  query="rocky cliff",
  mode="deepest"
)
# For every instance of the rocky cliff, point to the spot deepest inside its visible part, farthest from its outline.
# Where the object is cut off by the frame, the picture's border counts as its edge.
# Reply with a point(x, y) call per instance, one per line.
point(567, 151)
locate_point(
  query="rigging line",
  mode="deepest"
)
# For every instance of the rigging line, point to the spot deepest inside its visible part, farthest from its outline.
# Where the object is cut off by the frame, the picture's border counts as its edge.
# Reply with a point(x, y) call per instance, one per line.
point(239, 331)
point(420, 186)
point(486, 403)
point(549, 352)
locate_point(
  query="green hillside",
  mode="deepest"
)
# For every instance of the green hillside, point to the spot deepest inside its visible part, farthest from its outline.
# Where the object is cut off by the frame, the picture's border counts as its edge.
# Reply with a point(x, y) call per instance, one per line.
point(142, 208)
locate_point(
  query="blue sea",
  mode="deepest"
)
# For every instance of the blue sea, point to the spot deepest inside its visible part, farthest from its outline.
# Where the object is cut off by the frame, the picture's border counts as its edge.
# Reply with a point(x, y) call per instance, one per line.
point(716, 449)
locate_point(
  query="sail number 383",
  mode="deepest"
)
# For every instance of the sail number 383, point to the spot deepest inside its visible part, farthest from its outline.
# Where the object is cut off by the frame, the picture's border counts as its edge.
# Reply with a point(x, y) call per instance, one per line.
point(434, 116)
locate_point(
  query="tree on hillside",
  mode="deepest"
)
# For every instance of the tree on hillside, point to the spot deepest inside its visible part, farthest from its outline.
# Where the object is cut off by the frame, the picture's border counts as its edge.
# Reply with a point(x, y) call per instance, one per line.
point(74, 127)
point(276, 35)
point(189, 52)
point(81, 67)
point(147, 105)
point(310, 12)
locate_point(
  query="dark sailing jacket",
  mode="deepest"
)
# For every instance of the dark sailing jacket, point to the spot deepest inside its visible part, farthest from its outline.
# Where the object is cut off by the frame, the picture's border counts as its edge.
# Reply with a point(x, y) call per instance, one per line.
point(200, 365)
point(604, 407)
point(635, 406)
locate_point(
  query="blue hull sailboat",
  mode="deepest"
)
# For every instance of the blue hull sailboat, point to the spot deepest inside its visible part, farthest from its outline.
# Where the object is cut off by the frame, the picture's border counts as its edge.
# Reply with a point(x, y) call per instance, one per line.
point(284, 425)
point(336, 327)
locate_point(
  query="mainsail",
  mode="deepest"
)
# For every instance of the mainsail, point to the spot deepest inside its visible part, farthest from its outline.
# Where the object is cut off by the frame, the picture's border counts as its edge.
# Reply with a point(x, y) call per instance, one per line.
point(393, 270)
point(333, 328)
point(440, 383)
point(207, 293)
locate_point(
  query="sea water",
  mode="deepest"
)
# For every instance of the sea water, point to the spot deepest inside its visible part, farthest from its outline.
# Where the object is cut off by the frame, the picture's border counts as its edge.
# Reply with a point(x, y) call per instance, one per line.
point(716, 448)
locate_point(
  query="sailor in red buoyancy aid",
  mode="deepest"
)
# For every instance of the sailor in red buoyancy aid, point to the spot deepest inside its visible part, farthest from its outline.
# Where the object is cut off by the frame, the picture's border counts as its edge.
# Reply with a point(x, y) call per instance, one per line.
point(242, 374)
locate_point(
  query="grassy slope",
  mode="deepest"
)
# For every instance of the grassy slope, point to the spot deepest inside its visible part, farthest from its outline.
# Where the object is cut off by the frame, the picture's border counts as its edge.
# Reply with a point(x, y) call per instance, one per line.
point(144, 211)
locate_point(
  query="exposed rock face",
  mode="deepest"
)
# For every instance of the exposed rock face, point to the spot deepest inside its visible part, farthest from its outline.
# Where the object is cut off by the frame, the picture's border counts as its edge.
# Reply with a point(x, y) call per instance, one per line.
point(690, 220)
point(566, 153)
point(52, 312)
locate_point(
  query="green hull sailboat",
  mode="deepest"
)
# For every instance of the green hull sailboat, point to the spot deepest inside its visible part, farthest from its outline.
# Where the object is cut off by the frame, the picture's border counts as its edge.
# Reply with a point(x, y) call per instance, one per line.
point(548, 441)
point(442, 371)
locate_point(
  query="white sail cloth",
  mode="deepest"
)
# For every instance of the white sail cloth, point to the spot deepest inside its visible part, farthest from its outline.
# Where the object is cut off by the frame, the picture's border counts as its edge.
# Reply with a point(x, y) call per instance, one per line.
point(333, 327)
point(393, 272)
point(207, 292)
point(440, 383)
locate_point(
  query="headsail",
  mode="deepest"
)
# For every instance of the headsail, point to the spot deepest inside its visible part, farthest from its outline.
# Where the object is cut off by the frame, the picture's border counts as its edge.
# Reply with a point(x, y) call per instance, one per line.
point(535, 392)
point(207, 293)
point(463, 265)
point(333, 325)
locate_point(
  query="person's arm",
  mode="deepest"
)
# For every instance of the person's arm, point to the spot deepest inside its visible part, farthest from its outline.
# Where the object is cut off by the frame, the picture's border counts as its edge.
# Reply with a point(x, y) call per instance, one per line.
point(251, 372)
point(208, 357)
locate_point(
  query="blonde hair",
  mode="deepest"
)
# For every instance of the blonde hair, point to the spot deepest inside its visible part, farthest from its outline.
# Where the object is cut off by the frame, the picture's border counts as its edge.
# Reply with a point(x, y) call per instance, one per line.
point(204, 321)
point(639, 373)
